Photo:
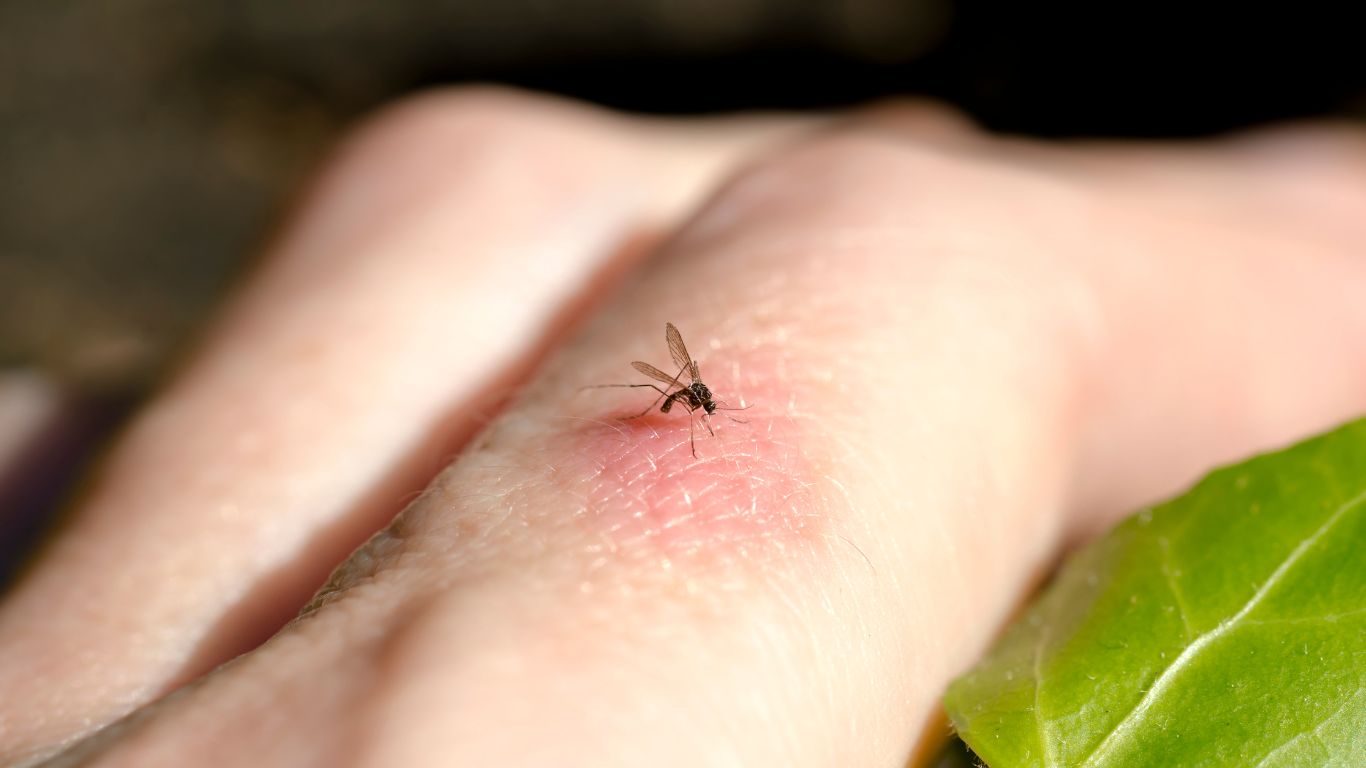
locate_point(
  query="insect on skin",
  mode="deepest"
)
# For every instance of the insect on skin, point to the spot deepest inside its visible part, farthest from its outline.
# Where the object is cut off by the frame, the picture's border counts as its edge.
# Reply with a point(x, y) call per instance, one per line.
point(694, 395)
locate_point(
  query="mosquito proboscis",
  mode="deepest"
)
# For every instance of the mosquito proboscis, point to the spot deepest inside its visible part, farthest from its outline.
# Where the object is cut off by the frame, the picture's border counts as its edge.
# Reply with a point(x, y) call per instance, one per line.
point(694, 395)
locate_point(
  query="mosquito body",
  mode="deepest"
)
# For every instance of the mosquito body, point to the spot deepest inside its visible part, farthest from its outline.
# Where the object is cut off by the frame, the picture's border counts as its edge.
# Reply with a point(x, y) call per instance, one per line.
point(694, 395)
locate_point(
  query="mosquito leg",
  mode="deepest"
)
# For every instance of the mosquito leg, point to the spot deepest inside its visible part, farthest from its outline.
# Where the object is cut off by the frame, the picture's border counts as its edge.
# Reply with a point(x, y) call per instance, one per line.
point(651, 406)
point(692, 438)
point(607, 386)
point(662, 394)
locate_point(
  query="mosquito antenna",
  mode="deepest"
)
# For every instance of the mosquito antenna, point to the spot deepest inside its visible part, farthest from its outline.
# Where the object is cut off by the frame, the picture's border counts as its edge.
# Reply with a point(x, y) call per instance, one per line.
point(722, 405)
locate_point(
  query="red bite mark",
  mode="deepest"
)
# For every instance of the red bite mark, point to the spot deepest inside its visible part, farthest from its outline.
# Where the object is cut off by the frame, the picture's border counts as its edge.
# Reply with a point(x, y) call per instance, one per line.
point(749, 491)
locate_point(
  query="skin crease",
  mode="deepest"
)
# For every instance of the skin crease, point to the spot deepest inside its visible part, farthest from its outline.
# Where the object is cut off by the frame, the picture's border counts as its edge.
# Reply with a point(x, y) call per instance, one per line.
point(963, 353)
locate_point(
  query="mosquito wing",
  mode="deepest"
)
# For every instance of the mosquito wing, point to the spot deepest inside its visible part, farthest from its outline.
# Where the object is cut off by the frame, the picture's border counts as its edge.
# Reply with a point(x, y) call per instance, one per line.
point(657, 375)
point(680, 353)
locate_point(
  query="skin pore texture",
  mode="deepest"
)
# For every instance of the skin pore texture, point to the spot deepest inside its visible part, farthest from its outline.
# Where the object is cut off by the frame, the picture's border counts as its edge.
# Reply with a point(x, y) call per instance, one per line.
point(962, 352)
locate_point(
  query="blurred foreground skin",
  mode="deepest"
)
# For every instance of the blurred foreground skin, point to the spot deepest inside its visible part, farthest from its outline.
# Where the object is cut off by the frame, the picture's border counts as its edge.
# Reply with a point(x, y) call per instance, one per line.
point(962, 352)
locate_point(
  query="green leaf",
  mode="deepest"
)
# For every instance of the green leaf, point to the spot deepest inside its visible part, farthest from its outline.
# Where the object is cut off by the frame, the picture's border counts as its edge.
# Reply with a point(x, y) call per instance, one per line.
point(1224, 628)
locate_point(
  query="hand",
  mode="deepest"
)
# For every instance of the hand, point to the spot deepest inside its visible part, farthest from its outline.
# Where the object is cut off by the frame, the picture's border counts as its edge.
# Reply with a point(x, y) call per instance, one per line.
point(963, 353)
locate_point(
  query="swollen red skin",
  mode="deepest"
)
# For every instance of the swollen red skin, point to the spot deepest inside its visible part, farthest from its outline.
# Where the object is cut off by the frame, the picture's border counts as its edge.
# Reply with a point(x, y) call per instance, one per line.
point(750, 490)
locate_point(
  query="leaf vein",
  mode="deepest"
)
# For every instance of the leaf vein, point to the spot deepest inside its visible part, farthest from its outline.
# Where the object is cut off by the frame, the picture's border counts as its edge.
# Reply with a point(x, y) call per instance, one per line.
point(1164, 680)
point(1165, 548)
point(1314, 733)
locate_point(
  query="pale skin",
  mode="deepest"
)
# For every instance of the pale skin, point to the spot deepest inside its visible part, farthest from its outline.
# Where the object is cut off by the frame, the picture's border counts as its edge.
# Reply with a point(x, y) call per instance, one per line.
point(964, 354)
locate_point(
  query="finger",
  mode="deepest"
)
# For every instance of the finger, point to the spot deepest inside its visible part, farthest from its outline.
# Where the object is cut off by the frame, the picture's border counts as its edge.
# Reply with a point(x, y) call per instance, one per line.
point(1302, 180)
point(927, 343)
point(1265, 286)
point(446, 245)
point(1274, 207)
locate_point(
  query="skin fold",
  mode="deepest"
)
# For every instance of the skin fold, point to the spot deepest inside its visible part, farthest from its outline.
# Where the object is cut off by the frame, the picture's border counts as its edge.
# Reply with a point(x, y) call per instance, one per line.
point(962, 354)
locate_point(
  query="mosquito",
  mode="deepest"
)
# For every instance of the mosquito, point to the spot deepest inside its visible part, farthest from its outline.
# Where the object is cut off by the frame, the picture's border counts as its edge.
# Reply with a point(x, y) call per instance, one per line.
point(694, 395)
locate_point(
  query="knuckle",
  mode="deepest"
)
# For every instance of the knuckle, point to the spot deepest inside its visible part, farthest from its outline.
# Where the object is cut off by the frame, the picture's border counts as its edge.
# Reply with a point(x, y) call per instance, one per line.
point(847, 200)
point(1311, 142)
point(474, 137)
point(843, 178)
point(915, 119)
point(469, 154)
point(1331, 155)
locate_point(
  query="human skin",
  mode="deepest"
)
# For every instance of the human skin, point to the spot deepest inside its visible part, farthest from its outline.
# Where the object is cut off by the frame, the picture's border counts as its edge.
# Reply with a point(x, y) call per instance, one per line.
point(962, 354)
